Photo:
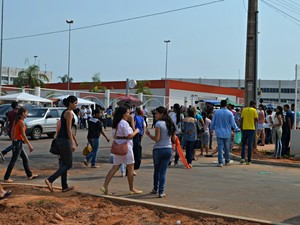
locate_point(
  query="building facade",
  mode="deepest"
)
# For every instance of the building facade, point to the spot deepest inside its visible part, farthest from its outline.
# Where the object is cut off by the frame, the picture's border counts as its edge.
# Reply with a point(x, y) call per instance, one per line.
point(271, 91)
point(10, 73)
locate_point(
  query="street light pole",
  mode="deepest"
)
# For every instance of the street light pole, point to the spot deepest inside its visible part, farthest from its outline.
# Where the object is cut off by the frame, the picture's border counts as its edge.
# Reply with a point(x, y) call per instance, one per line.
point(35, 59)
point(69, 52)
point(1, 44)
point(166, 68)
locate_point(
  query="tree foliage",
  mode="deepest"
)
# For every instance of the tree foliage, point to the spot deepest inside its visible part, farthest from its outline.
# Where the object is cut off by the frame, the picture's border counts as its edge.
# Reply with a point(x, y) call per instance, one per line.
point(142, 88)
point(97, 84)
point(64, 79)
point(31, 77)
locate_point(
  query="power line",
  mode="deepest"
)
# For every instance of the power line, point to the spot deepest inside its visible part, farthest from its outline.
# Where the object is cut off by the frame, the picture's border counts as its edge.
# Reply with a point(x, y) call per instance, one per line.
point(291, 18)
point(286, 6)
point(113, 22)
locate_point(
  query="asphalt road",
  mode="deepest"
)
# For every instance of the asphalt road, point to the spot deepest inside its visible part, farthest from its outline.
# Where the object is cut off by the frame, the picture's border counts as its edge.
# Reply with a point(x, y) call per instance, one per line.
point(256, 191)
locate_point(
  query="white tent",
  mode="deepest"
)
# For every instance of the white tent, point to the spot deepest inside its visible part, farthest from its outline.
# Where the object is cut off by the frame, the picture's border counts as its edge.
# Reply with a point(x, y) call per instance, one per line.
point(80, 101)
point(23, 96)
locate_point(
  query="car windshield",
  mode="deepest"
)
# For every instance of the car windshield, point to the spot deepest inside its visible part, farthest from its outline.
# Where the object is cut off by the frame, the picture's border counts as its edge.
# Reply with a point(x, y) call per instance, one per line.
point(4, 109)
point(37, 113)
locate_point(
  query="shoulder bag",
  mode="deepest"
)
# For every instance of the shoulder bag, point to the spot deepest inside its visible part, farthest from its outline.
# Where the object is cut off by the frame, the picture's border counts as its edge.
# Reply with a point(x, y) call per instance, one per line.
point(54, 148)
point(119, 149)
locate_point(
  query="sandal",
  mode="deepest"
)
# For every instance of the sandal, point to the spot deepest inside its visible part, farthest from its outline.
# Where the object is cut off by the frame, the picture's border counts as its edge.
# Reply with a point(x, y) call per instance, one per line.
point(7, 194)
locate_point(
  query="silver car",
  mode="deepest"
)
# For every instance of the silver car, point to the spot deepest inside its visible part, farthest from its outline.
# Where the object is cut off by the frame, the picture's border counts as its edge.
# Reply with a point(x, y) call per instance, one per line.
point(43, 121)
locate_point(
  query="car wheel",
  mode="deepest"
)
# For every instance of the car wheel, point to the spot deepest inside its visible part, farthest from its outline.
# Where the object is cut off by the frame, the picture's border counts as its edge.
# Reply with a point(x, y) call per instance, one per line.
point(36, 133)
point(51, 135)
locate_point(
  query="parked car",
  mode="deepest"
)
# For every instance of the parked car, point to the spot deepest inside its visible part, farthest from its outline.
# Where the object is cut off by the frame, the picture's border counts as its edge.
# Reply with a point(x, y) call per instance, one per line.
point(43, 121)
point(5, 108)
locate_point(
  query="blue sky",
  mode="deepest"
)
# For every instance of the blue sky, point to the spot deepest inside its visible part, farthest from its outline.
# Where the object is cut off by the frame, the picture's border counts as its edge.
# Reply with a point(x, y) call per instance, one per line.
point(206, 42)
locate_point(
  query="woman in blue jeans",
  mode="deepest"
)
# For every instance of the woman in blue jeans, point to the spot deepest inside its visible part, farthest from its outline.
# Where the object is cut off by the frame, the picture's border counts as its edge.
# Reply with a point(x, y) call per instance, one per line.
point(162, 149)
point(66, 144)
point(189, 133)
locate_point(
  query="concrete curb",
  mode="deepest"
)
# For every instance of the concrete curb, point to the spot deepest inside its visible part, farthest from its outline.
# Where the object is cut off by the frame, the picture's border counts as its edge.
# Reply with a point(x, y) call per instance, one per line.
point(264, 162)
point(164, 207)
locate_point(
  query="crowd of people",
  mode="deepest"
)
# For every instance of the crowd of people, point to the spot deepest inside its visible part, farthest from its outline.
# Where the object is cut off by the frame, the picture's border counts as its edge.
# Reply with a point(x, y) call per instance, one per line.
point(194, 128)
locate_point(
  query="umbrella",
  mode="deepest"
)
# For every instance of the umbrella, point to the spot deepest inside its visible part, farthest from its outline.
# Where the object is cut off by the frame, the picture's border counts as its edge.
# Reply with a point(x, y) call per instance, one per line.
point(23, 96)
point(131, 100)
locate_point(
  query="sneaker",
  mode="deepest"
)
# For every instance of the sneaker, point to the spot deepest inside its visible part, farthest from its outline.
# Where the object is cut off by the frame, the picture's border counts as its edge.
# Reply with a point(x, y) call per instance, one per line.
point(228, 163)
point(242, 161)
point(248, 163)
point(220, 165)
point(175, 163)
point(154, 192)
point(95, 166)
point(8, 181)
point(162, 195)
point(2, 157)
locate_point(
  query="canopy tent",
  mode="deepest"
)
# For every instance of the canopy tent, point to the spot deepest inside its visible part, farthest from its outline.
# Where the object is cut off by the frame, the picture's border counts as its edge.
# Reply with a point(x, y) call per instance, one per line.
point(80, 101)
point(213, 102)
point(229, 102)
point(23, 96)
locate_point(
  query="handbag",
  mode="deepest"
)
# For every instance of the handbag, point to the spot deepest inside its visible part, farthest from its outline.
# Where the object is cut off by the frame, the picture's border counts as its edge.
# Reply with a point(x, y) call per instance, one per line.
point(87, 149)
point(119, 149)
point(54, 149)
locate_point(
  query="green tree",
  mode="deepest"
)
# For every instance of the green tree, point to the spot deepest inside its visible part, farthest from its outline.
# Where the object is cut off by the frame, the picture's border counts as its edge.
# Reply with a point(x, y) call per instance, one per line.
point(142, 88)
point(31, 77)
point(97, 84)
point(64, 79)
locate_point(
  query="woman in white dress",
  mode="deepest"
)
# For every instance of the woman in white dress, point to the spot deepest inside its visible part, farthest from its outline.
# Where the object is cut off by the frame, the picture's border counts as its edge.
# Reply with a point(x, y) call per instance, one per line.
point(123, 133)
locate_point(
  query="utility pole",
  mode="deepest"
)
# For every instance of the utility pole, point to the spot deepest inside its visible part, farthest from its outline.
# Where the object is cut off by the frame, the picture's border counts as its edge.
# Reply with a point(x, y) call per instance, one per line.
point(251, 53)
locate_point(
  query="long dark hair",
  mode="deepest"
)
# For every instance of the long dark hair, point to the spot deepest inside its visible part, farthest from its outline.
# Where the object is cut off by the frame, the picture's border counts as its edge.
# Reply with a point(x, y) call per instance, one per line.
point(69, 99)
point(176, 108)
point(21, 110)
point(119, 113)
point(280, 110)
point(165, 117)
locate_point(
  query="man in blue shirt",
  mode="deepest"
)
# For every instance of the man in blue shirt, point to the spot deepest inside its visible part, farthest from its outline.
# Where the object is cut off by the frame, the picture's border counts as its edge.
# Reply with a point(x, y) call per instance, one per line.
point(288, 123)
point(223, 122)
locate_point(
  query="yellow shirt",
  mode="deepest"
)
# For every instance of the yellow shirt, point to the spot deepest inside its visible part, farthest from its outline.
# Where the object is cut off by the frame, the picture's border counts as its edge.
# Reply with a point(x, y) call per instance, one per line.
point(248, 115)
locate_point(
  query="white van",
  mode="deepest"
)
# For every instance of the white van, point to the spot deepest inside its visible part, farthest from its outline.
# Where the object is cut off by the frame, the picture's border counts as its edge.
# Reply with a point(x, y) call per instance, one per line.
point(43, 121)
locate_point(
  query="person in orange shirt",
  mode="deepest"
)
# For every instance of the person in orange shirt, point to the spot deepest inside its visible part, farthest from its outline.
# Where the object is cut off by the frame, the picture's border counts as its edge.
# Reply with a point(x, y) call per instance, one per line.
point(19, 137)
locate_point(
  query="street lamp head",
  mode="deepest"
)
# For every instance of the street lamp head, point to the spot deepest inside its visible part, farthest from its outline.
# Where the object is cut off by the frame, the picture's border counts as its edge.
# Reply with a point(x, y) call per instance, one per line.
point(167, 41)
point(69, 21)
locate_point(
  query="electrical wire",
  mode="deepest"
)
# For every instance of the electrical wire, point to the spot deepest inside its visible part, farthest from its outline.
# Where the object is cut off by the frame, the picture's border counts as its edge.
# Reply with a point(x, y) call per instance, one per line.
point(288, 16)
point(245, 6)
point(286, 6)
point(114, 22)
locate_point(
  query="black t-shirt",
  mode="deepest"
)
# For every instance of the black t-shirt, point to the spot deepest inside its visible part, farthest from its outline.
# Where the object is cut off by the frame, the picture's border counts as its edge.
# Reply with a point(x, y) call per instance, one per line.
point(95, 128)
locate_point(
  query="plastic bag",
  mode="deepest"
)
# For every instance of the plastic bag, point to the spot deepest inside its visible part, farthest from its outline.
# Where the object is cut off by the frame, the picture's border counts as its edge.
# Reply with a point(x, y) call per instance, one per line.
point(87, 149)
point(238, 138)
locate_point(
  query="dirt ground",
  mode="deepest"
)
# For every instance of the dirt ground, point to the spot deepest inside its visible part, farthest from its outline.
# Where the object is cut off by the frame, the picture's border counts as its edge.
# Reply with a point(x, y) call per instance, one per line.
point(266, 153)
point(35, 205)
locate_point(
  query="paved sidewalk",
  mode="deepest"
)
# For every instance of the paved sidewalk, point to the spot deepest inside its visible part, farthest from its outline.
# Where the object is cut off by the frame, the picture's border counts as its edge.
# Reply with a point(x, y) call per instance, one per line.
point(258, 191)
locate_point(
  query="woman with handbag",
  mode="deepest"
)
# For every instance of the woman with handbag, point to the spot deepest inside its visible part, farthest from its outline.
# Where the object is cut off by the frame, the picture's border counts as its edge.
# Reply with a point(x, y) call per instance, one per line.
point(190, 129)
point(66, 144)
point(123, 135)
point(162, 149)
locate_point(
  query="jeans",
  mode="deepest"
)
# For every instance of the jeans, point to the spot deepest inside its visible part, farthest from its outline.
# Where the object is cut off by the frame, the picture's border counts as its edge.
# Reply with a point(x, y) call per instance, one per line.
point(161, 158)
point(65, 162)
point(8, 149)
point(268, 135)
point(189, 149)
point(247, 139)
point(94, 142)
point(18, 151)
point(137, 151)
point(223, 145)
point(277, 136)
point(286, 137)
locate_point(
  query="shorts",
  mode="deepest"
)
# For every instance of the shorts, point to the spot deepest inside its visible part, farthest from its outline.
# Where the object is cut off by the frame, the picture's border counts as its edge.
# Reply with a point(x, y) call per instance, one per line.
point(260, 126)
point(204, 138)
